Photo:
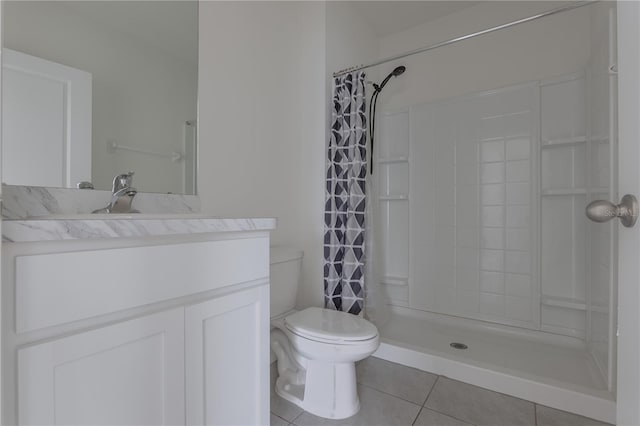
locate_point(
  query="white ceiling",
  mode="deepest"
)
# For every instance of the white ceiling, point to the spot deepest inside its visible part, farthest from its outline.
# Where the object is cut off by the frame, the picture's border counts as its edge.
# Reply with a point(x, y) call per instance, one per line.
point(388, 17)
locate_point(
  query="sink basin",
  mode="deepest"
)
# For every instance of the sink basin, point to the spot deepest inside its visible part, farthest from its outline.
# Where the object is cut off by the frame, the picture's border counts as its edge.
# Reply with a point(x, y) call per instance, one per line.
point(121, 216)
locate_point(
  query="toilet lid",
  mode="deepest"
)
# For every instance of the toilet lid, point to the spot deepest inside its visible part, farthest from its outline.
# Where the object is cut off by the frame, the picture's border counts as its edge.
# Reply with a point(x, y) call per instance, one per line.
point(327, 324)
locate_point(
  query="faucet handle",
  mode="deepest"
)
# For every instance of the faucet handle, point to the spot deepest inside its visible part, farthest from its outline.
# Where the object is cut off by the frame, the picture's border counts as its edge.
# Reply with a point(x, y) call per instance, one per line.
point(122, 181)
point(84, 185)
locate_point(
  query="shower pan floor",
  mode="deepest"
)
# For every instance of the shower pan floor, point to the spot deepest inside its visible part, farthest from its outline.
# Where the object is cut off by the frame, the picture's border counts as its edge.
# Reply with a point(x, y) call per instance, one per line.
point(548, 369)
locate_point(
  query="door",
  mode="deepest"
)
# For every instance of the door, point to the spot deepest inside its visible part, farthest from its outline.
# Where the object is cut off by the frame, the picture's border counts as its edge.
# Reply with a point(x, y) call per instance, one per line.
point(227, 359)
point(628, 395)
point(46, 114)
point(1, 313)
point(130, 373)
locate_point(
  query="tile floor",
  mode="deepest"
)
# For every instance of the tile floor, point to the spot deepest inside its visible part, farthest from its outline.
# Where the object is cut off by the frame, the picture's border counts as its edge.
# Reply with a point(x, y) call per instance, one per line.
point(395, 395)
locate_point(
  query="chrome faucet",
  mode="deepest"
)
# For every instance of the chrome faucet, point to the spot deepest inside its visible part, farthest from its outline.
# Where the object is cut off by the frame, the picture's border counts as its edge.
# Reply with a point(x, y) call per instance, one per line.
point(122, 194)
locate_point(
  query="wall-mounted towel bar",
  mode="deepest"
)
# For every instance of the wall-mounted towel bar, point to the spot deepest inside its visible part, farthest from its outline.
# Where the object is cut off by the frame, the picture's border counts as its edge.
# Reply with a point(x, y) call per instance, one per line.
point(174, 156)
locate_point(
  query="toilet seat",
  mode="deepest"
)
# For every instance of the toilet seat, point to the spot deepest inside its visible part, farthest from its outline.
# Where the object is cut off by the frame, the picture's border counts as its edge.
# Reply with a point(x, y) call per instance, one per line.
point(328, 326)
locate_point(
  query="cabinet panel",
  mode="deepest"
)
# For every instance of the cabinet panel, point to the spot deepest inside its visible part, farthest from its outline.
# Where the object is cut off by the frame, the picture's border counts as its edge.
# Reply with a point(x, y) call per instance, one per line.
point(124, 374)
point(144, 275)
point(227, 359)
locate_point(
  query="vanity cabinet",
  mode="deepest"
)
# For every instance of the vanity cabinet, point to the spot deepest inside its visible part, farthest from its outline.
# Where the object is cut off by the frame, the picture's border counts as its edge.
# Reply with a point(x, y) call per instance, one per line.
point(180, 337)
point(128, 373)
point(226, 358)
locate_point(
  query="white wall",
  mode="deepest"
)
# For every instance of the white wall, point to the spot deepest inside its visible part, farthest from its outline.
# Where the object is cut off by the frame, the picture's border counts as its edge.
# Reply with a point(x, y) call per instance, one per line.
point(545, 48)
point(264, 111)
point(139, 100)
point(350, 40)
point(262, 121)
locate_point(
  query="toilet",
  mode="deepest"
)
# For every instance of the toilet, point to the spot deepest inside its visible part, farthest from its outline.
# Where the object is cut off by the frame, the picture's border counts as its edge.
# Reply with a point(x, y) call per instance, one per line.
point(316, 349)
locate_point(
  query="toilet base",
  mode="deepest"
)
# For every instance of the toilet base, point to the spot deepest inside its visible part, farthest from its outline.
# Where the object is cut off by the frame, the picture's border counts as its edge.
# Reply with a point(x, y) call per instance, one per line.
point(329, 391)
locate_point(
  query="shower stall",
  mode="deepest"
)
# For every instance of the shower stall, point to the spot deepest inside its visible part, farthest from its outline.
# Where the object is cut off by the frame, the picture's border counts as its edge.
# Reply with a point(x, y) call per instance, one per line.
point(490, 269)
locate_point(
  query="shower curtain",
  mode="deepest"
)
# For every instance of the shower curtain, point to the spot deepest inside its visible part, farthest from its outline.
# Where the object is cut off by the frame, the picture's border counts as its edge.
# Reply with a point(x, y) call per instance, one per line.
point(345, 197)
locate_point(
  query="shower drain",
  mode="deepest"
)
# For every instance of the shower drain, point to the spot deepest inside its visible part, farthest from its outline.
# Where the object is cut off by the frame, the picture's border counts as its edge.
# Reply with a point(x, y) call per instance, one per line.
point(457, 345)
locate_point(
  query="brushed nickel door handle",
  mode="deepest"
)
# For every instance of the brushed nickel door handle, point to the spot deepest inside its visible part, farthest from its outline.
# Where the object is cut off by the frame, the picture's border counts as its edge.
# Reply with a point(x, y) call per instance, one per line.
point(603, 210)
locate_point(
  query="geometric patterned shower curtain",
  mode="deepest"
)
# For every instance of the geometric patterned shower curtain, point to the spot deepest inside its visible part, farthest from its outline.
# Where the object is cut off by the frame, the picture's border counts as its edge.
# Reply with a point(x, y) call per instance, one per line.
point(345, 196)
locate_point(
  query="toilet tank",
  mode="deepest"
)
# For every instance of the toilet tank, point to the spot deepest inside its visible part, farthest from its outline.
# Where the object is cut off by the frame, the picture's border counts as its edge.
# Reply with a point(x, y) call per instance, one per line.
point(286, 263)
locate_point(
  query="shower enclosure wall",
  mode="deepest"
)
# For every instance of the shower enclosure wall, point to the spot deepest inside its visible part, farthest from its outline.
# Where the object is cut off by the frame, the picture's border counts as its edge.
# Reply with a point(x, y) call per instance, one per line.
point(480, 216)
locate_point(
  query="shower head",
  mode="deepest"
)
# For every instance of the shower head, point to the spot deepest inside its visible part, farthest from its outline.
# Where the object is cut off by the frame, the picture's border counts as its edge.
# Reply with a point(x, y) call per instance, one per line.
point(399, 70)
point(396, 72)
point(374, 100)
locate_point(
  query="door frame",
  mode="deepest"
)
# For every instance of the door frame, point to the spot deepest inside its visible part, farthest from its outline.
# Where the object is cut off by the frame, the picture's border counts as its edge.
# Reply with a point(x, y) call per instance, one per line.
point(628, 374)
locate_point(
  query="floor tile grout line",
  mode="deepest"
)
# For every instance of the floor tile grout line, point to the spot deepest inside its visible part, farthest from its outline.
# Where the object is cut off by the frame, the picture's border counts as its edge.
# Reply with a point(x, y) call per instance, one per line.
point(462, 420)
point(424, 405)
point(435, 382)
point(418, 415)
point(298, 416)
point(440, 412)
point(280, 417)
point(292, 422)
point(488, 390)
point(285, 419)
point(417, 404)
point(451, 416)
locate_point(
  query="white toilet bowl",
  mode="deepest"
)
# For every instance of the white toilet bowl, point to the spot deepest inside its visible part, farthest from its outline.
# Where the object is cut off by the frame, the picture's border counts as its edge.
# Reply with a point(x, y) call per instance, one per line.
point(316, 351)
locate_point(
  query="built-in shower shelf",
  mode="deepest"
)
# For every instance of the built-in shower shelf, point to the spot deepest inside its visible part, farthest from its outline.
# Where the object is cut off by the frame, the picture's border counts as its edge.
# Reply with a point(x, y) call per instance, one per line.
point(396, 290)
point(388, 280)
point(565, 331)
point(564, 302)
point(600, 309)
point(393, 197)
point(393, 160)
point(573, 191)
point(548, 143)
point(553, 143)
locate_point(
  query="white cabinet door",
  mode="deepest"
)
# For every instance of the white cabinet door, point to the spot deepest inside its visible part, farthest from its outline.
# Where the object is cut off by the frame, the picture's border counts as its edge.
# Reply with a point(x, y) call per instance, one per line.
point(227, 359)
point(130, 373)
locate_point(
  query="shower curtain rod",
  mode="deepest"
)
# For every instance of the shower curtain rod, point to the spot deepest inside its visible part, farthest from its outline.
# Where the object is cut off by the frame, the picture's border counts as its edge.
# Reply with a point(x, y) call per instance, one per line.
point(565, 8)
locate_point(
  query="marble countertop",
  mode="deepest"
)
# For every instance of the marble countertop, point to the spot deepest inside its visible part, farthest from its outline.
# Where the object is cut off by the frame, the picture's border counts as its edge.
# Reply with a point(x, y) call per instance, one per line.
point(24, 202)
point(75, 227)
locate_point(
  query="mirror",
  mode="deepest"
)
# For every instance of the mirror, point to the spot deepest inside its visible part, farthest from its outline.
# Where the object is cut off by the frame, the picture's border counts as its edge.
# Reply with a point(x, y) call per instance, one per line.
point(92, 89)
